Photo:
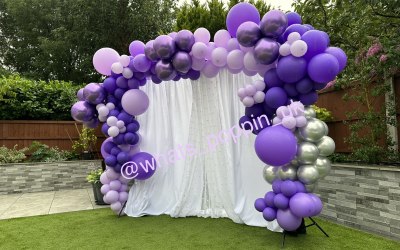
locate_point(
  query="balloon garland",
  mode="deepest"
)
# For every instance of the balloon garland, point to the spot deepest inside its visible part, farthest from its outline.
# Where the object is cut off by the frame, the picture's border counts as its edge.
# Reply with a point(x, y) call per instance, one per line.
point(295, 61)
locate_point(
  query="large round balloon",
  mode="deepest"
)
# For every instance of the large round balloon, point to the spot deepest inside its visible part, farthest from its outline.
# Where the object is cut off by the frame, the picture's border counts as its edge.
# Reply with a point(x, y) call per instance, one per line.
point(287, 220)
point(275, 97)
point(94, 93)
point(248, 34)
point(274, 23)
point(302, 205)
point(82, 111)
point(291, 69)
point(135, 102)
point(103, 59)
point(276, 145)
point(240, 13)
point(185, 40)
point(316, 43)
point(323, 68)
point(266, 51)
point(164, 46)
point(143, 166)
point(340, 56)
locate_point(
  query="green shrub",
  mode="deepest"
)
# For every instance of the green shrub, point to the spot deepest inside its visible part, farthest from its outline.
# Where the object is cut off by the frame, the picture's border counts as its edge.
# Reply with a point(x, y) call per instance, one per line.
point(42, 153)
point(24, 99)
point(94, 176)
point(87, 140)
point(13, 155)
point(322, 113)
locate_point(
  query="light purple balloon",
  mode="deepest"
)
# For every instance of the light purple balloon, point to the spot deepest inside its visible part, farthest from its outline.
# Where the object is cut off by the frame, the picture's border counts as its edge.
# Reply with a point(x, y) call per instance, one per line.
point(281, 201)
point(105, 189)
point(123, 196)
point(103, 59)
point(221, 38)
point(115, 185)
point(202, 35)
point(210, 47)
point(210, 70)
point(250, 90)
point(293, 18)
point(289, 122)
point(323, 68)
point(248, 34)
point(340, 56)
point(112, 175)
point(164, 46)
point(269, 198)
point(260, 205)
point(302, 205)
point(288, 188)
point(184, 40)
point(141, 63)
point(79, 95)
point(182, 62)
point(150, 52)
point(266, 51)
point(269, 214)
point(287, 220)
point(198, 64)
point(234, 71)
point(219, 56)
point(116, 206)
point(274, 23)
point(233, 44)
point(235, 59)
point(94, 93)
point(104, 179)
point(240, 13)
point(82, 111)
point(136, 47)
point(318, 206)
point(165, 71)
point(135, 102)
point(123, 188)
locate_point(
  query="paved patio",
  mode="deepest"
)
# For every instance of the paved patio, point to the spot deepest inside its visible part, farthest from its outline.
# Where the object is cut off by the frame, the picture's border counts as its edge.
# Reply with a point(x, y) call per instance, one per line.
point(30, 204)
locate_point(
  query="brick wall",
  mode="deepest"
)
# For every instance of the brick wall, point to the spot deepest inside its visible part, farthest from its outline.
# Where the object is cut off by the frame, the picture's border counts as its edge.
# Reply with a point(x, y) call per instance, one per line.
point(38, 177)
point(366, 198)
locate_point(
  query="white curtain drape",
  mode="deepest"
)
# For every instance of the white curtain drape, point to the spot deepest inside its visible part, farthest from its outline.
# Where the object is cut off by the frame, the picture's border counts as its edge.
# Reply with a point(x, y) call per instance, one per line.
point(202, 170)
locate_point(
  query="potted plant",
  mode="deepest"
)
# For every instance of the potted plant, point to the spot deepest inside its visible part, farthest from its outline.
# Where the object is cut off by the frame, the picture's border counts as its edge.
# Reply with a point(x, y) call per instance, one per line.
point(86, 143)
point(94, 178)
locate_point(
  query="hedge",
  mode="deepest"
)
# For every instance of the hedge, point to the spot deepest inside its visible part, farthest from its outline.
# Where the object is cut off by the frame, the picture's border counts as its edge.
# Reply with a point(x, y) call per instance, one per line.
point(25, 99)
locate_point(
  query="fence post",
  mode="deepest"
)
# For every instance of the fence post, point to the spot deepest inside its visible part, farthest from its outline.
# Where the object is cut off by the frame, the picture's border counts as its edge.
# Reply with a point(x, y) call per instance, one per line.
point(391, 120)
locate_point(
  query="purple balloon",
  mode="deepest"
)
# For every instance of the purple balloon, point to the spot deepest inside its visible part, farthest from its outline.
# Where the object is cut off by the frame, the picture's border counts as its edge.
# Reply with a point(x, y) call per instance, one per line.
point(93, 123)
point(248, 34)
point(135, 102)
point(274, 23)
point(182, 61)
point(136, 48)
point(287, 220)
point(118, 93)
point(133, 83)
point(110, 160)
point(309, 98)
point(115, 151)
point(300, 187)
point(276, 145)
point(293, 18)
point(109, 85)
point(291, 69)
point(323, 68)
point(275, 97)
point(133, 126)
point(288, 188)
point(194, 74)
point(143, 167)
point(340, 56)
point(281, 201)
point(122, 82)
point(165, 71)
point(103, 59)
point(290, 89)
point(125, 117)
point(269, 199)
point(276, 186)
point(104, 129)
point(269, 214)
point(319, 86)
point(240, 13)
point(141, 63)
point(318, 206)
point(105, 188)
point(302, 205)
point(184, 40)
point(294, 28)
point(82, 111)
point(316, 41)
point(308, 26)
point(94, 93)
point(304, 86)
point(260, 205)
point(79, 95)
point(245, 123)
point(112, 196)
point(131, 138)
point(254, 111)
point(271, 79)
point(122, 157)
point(119, 139)
point(150, 52)
point(164, 46)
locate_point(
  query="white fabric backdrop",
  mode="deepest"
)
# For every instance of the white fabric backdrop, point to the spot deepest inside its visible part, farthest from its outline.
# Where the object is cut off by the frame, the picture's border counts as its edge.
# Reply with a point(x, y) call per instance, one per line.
point(194, 178)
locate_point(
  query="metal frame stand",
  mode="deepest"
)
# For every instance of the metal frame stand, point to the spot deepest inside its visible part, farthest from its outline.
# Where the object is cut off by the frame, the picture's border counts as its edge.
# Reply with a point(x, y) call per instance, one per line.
point(314, 223)
point(122, 209)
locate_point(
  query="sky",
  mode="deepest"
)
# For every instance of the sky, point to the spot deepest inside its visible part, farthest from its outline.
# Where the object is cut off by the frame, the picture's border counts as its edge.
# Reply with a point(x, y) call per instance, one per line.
point(283, 4)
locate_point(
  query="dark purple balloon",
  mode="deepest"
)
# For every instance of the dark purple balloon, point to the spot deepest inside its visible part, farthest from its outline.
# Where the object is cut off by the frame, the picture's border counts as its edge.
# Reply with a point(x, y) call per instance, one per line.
point(165, 71)
point(139, 75)
point(271, 79)
point(118, 93)
point(125, 117)
point(281, 201)
point(245, 123)
point(290, 89)
point(260, 205)
point(133, 83)
point(316, 43)
point(112, 99)
point(110, 160)
point(104, 129)
point(122, 157)
point(184, 40)
point(115, 151)
point(108, 145)
point(119, 139)
point(79, 95)
point(117, 168)
point(248, 34)
point(291, 69)
point(94, 93)
point(254, 111)
point(150, 52)
point(323, 68)
point(305, 85)
point(131, 138)
point(293, 18)
point(294, 28)
point(113, 112)
point(319, 86)
point(340, 56)
point(269, 214)
point(309, 98)
point(82, 111)
point(266, 51)
point(122, 82)
point(164, 46)
point(146, 165)
point(109, 85)
point(274, 23)
point(133, 126)
point(269, 199)
point(182, 61)
point(275, 97)
point(194, 74)
point(288, 188)
point(155, 79)
point(93, 123)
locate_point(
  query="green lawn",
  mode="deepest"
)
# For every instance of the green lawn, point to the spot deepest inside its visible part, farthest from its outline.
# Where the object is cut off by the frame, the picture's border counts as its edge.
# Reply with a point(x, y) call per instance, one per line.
point(100, 229)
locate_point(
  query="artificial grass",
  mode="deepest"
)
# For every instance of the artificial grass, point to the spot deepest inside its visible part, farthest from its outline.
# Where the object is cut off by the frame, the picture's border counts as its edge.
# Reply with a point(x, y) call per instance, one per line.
point(101, 229)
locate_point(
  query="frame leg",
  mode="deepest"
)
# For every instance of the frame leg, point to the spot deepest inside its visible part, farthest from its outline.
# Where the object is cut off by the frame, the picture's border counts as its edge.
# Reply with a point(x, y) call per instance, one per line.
point(320, 228)
point(283, 239)
point(119, 214)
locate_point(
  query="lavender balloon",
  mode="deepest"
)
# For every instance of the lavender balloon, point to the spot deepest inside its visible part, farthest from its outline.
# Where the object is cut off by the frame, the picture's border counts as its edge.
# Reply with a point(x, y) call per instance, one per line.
point(103, 59)
point(135, 102)
point(340, 56)
point(281, 201)
point(274, 23)
point(150, 52)
point(182, 61)
point(141, 63)
point(240, 13)
point(164, 46)
point(165, 70)
point(79, 95)
point(302, 205)
point(293, 18)
point(136, 48)
point(260, 204)
point(82, 111)
point(269, 214)
point(287, 220)
point(323, 68)
point(266, 51)
point(316, 43)
point(185, 40)
point(94, 93)
point(248, 34)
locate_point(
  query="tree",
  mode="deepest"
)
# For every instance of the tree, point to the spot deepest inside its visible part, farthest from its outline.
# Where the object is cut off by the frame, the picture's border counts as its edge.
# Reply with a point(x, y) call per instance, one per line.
point(56, 39)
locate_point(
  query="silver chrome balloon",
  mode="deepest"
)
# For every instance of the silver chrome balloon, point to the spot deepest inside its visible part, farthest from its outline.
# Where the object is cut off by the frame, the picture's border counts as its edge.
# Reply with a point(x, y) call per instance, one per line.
point(294, 163)
point(310, 187)
point(326, 128)
point(309, 112)
point(307, 153)
point(270, 173)
point(287, 172)
point(326, 146)
point(313, 131)
point(307, 174)
point(323, 166)
point(298, 136)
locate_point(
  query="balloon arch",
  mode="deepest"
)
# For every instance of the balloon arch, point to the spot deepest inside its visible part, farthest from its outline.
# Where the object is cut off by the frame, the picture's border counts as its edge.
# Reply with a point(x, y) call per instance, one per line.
point(295, 60)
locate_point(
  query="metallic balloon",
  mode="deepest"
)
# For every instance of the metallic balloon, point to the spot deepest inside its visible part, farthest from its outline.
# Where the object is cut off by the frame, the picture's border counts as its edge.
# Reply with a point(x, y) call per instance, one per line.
point(274, 23)
point(313, 131)
point(310, 187)
point(307, 174)
point(270, 173)
point(94, 93)
point(326, 146)
point(287, 172)
point(164, 46)
point(82, 111)
point(266, 51)
point(294, 163)
point(150, 52)
point(165, 71)
point(184, 40)
point(323, 166)
point(298, 136)
point(248, 34)
point(326, 128)
point(307, 153)
point(309, 112)
point(182, 62)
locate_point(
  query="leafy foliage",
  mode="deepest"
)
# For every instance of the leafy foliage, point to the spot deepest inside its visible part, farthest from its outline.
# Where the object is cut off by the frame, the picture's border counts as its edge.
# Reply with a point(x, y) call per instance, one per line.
point(24, 99)
point(87, 140)
point(49, 39)
point(13, 155)
point(368, 31)
point(322, 113)
point(94, 176)
point(43, 153)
